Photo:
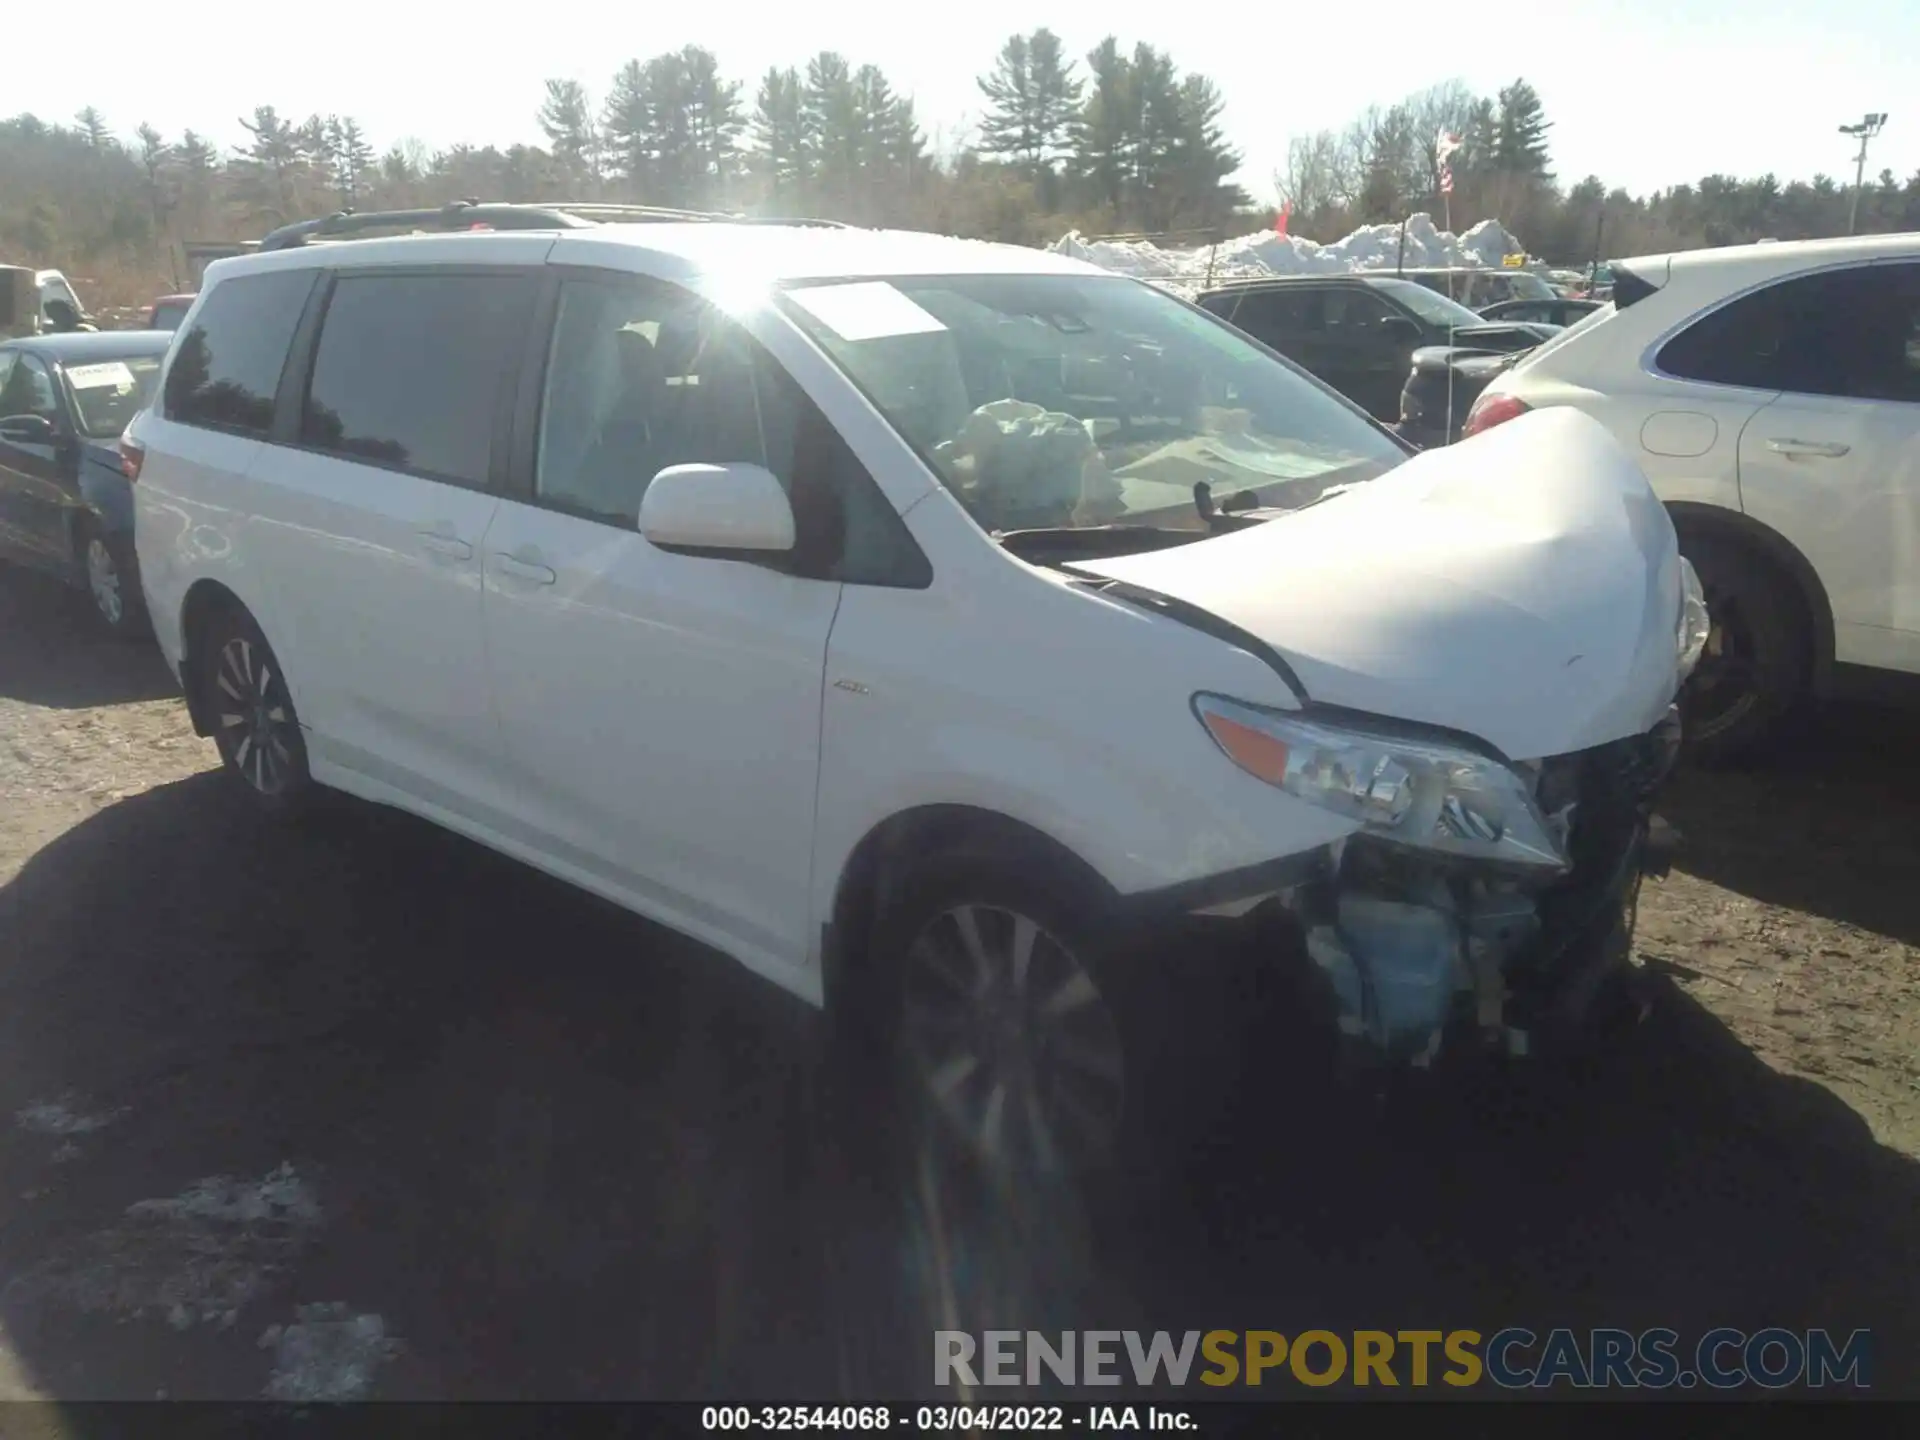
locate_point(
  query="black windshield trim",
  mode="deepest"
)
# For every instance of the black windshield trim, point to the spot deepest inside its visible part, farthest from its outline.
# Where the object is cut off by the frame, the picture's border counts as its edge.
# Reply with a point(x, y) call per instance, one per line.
point(1199, 618)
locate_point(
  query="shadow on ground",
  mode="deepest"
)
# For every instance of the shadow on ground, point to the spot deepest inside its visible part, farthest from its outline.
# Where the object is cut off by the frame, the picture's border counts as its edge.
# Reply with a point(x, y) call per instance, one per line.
point(563, 1155)
point(57, 655)
point(1830, 825)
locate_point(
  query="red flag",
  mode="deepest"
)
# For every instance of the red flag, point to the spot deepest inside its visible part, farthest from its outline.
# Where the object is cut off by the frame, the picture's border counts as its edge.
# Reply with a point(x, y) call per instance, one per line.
point(1280, 220)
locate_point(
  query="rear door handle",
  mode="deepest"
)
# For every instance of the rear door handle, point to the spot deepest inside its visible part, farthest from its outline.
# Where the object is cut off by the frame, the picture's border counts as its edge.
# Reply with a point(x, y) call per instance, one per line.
point(523, 569)
point(443, 544)
point(1829, 449)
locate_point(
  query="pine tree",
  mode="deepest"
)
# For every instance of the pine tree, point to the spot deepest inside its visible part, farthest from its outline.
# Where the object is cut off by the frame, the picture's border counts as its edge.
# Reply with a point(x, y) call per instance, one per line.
point(1200, 160)
point(1033, 96)
point(1520, 133)
point(1101, 130)
point(566, 118)
point(835, 129)
point(93, 128)
point(626, 126)
point(348, 157)
point(714, 126)
point(782, 152)
point(156, 163)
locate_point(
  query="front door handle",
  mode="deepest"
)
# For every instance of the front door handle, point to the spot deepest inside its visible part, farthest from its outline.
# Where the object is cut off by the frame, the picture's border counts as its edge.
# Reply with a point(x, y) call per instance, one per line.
point(1827, 449)
point(523, 569)
point(443, 544)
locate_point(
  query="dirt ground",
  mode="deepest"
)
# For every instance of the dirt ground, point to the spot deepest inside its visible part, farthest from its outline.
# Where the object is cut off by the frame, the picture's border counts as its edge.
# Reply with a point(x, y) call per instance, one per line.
point(359, 1108)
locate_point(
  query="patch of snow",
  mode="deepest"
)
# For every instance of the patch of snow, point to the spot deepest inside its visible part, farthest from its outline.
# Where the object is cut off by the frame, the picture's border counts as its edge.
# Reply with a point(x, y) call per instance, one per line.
point(327, 1354)
point(1263, 253)
point(196, 1257)
point(64, 1116)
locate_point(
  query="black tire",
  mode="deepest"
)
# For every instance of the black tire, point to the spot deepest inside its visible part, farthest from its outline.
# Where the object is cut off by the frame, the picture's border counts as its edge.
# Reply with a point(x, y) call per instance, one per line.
point(112, 577)
point(1759, 663)
point(1079, 1037)
point(245, 696)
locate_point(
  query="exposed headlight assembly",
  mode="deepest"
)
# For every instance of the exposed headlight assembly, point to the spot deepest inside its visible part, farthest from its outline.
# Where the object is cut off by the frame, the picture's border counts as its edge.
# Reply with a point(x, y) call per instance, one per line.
point(1690, 636)
point(1407, 788)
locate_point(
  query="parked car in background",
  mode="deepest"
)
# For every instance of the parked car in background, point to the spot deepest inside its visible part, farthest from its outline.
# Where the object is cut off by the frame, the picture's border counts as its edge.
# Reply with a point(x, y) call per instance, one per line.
point(39, 302)
point(168, 311)
point(1557, 311)
point(1359, 332)
point(64, 502)
point(1445, 380)
point(927, 625)
point(1477, 286)
point(1772, 395)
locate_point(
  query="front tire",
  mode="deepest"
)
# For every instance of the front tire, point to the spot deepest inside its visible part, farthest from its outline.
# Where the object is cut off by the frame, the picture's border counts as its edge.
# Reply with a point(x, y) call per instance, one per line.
point(1005, 1003)
point(255, 726)
point(1758, 664)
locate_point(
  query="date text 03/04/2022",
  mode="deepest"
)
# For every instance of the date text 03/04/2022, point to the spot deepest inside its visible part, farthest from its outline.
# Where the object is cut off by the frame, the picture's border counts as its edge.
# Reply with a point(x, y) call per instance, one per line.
point(960, 1419)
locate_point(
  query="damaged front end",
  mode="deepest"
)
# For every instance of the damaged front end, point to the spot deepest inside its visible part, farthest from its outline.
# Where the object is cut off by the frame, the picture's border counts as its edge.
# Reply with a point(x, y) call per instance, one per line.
point(1486, 902)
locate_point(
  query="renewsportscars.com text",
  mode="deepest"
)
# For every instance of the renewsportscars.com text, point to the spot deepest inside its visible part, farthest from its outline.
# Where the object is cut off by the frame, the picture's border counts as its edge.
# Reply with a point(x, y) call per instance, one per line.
point(1513, 1358)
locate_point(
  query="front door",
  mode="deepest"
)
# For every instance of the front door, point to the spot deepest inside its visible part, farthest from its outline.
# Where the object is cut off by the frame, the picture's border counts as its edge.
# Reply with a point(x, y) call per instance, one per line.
point(660, 712)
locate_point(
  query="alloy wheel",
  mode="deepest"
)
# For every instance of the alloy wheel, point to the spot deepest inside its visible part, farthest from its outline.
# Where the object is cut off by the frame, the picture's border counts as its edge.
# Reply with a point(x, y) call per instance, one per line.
point(1012, 1040)
point(256, 722)
point(1722, 689)
point(103, 581)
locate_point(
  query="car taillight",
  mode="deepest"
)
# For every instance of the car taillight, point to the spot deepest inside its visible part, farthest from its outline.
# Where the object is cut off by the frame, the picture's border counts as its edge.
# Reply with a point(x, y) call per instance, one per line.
point(132, 457)
point(1491, 410)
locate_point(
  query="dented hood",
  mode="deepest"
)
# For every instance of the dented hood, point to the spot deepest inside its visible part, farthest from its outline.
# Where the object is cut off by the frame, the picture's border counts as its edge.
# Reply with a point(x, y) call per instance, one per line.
point(1523, 587)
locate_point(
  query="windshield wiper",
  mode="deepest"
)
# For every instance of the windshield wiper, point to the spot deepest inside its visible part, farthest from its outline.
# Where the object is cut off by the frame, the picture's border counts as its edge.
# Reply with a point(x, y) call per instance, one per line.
point(1083, 542)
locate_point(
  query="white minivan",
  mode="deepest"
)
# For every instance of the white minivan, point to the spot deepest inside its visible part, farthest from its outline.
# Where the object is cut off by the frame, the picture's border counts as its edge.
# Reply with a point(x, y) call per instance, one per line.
point(926, 625)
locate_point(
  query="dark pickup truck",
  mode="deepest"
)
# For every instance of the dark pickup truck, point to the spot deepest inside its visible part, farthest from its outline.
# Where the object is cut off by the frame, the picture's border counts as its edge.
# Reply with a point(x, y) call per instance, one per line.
point(1359, 332)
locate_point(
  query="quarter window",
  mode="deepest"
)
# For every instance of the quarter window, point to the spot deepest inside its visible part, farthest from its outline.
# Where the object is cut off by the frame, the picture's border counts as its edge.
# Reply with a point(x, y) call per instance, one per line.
point(1851, 333)
point(412, 369)
point(226, 369)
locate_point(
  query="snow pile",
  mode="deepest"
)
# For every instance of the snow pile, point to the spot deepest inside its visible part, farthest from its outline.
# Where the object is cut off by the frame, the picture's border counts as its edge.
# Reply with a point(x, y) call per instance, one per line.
point(328, 1354)
point(195, 1258)
point(1263, 253)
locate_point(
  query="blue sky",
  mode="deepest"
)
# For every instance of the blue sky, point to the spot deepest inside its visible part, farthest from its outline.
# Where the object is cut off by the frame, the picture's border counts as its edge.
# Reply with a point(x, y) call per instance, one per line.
point(1646, 93)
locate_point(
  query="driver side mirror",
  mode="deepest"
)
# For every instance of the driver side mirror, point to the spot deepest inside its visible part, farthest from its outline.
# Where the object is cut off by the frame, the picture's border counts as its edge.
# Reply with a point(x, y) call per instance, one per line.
point(733, 510)
point(30, 429)
point(1399, 327)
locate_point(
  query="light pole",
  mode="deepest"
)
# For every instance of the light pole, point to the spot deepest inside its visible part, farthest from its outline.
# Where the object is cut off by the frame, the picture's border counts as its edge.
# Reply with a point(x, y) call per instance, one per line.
point(1864, 131)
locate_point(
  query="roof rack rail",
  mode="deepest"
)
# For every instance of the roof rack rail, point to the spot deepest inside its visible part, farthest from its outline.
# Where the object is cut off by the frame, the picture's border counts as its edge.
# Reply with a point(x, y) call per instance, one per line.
point(462, 215)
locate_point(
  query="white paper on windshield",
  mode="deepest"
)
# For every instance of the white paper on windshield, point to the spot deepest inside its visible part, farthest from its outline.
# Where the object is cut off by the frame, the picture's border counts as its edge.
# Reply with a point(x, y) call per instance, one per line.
point(108, 374)
point(865, 310)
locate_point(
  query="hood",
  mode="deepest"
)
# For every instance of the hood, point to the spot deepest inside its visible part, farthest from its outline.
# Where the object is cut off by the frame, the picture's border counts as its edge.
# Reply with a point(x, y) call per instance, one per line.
point(1522, 587)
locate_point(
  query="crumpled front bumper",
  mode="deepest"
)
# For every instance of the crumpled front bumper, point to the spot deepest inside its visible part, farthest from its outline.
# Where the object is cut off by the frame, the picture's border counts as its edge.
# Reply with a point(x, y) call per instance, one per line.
point(1413, 954)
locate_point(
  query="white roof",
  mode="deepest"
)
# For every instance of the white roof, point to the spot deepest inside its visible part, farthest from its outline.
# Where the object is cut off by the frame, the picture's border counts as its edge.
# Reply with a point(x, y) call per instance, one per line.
point(1783, 256)
point(758, 253)
point(810, 252)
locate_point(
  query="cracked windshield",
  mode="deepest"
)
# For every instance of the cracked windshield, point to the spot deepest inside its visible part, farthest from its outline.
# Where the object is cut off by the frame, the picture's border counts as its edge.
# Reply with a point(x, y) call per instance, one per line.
point(1074, 402)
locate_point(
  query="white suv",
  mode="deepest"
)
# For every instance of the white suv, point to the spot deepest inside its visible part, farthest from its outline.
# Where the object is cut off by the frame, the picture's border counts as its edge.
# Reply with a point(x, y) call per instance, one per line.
point(1772, 395)
point(920, 623)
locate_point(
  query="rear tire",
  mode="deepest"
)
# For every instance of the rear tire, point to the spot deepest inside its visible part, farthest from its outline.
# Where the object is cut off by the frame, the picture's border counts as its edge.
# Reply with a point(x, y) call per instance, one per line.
point(245, 697)
point(1758, 664)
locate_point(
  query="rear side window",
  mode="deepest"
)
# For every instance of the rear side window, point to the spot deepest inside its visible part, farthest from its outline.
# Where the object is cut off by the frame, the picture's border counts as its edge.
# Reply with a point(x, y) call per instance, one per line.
point(1847, 333)
point(411, 370)
point(1272, 315)
point(226, 368)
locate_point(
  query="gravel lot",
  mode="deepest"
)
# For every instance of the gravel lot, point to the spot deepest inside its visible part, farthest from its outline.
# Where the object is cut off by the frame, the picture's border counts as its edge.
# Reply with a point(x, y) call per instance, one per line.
point(359, 1108)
